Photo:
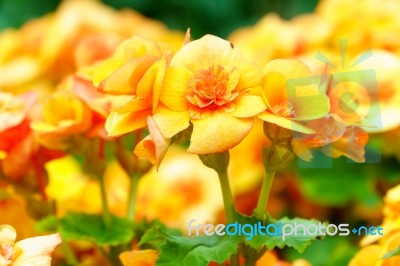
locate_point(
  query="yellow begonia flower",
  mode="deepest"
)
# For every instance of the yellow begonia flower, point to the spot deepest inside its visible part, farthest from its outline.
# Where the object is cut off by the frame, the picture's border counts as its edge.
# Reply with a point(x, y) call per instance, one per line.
point(63, 116)
point(30, 251)
point(146, 257)
point(209, 84)
point(293, 94)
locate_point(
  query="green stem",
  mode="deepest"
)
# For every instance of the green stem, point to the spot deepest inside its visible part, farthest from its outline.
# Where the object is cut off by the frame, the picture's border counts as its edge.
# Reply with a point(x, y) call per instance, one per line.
point(264, 195)
point(104, 202)
point(68, 254)
point(228, 206)
point(227, 196)
point(132, 197)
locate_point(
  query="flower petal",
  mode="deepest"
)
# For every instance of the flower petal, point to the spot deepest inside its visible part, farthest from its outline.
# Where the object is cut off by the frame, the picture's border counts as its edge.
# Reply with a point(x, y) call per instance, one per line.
point(121, 123)
point(170, 122)
point(218, 132)
point(36, 250)
point(285, 123)
point(174, 88)
point(146, 257)
point(248, 105)
point(154, 146)
point(124, 79)
point(7, 234)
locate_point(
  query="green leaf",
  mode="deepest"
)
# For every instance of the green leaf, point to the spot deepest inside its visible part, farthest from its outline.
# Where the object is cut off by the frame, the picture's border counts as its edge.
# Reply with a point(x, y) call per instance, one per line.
point(298, 241)
point(333, 251)
point(78, 226)
point(198, 250)
point(176, 250)
point(334, 182)
point(156, 236)
point(394, 252)
point(47, 224)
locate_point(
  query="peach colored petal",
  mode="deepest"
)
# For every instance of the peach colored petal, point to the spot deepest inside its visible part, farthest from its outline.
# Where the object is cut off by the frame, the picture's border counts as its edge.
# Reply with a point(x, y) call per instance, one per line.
point(139, 257)
point(218, 132)
point(211, 50)
point(154, 146)
point(36, 250)
point(285, 123)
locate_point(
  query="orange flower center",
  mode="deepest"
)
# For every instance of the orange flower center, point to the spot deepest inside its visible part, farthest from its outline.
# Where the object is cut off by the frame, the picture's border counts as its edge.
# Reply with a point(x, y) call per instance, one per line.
point(211, 89)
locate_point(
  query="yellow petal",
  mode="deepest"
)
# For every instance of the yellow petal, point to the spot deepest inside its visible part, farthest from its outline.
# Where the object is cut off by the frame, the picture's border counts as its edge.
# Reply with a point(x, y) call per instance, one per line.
point(122, 123)
point(218, 132)
point(301, 150)
point(170, 122)
point(125, 79)
point(36, 250)
point(274, 88)
point(285, 123)
point(174, 88)
point(367, 256)
point(248, 105)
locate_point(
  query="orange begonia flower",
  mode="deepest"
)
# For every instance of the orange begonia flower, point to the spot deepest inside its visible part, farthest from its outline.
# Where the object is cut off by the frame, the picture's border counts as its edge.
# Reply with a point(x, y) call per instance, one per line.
point(293, 95)
point(30, 251)
point(334, 139)
point(211, 85)
point(63, 116)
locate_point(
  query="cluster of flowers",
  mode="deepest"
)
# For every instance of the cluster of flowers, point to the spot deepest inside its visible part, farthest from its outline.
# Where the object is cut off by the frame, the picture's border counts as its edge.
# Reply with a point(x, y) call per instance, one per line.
point(70, 82)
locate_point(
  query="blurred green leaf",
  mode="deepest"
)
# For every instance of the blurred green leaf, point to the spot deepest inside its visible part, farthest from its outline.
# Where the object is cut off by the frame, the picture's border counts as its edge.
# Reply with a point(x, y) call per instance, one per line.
point(199, 250)
point(48, 224)
point(79, 226)
point(333, 251)
point(339, 183)
point(14, 13)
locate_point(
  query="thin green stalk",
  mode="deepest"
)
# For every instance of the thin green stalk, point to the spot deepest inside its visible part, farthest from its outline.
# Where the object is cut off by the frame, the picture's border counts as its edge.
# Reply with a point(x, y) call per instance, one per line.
point(132, 197)
point(228, 206)
point(68, 254)
point(227, 196)
point(104, 202)
point(264, 195)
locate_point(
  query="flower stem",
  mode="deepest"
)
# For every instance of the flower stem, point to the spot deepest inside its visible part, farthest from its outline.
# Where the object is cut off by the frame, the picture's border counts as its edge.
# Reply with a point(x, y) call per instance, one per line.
point(104, 202)
point(68, 254)
point(227, 196)
point(228, 207)
point(264, 195)
point(132, 197)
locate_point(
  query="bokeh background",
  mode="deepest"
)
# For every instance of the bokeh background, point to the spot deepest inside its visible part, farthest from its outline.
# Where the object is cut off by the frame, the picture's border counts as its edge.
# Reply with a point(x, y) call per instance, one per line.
point(218, 17)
